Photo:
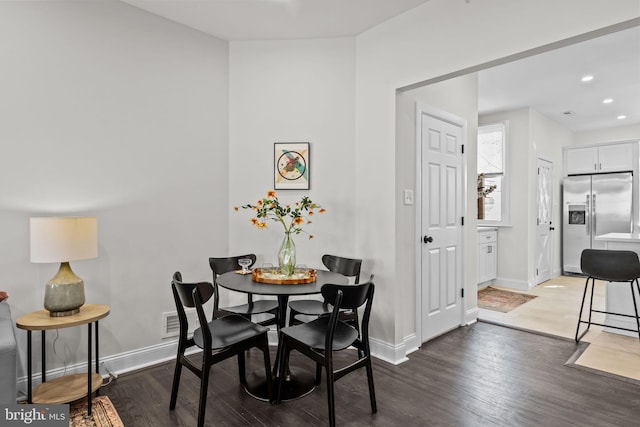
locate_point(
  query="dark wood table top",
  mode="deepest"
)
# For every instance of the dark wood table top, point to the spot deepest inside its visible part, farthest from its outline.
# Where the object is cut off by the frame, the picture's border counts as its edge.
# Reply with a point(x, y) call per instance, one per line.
point(244, 283)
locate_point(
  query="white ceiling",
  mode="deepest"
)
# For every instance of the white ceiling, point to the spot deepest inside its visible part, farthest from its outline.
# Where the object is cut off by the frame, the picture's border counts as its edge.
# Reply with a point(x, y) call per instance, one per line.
point(549, 82)
point(278, 19)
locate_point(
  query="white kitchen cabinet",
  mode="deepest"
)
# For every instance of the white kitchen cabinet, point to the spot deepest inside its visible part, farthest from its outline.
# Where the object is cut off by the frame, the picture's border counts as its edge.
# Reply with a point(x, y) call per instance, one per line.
point(599, 159)
point(615, 158)
point(487, 254)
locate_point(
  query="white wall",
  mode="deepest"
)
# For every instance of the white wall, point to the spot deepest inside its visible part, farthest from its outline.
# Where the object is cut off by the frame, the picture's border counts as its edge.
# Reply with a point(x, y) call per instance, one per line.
point(430, 41)
point(294, 91)
point(621, 133)
point(111, 112)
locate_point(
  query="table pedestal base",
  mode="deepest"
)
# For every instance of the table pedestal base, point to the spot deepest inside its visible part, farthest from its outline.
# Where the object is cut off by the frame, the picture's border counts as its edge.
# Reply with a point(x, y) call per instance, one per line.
point(297, 384)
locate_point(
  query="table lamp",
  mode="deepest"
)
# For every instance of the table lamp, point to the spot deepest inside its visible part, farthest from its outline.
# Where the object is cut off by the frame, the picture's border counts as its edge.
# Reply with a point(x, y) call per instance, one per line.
point(63, 239)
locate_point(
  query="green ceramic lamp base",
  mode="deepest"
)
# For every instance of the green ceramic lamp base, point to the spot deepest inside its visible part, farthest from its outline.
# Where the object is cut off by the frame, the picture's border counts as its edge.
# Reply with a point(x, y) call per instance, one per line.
point(64, 293)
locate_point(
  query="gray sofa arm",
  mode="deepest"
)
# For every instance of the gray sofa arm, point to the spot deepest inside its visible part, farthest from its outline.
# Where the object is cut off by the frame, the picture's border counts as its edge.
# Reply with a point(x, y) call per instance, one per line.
point(8, 356)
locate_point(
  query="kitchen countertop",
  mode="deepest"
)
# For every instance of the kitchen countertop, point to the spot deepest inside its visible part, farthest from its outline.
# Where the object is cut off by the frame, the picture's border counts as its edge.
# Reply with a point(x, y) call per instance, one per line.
point(620, 237)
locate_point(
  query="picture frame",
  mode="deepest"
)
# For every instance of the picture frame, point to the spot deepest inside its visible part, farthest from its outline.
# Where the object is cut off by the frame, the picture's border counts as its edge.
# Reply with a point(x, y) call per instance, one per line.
point(291, 166)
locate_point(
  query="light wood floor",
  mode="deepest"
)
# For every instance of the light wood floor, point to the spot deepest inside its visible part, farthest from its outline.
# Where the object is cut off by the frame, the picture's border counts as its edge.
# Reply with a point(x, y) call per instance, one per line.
point(555, 312)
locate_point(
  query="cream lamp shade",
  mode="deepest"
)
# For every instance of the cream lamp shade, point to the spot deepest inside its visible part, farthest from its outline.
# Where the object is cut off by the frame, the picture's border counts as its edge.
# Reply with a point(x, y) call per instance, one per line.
point(63, 239)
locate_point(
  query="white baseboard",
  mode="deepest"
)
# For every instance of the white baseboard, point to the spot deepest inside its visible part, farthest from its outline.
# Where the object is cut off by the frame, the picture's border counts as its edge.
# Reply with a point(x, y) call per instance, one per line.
point(116, 364)
point(411, 344)
point(390, 353)
point(471, 316)
point(149, 356)
point(621, 322)
point(520, 285)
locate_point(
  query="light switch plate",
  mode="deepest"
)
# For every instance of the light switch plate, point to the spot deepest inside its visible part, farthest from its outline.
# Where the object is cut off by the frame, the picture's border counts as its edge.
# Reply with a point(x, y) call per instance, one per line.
point(408, 197)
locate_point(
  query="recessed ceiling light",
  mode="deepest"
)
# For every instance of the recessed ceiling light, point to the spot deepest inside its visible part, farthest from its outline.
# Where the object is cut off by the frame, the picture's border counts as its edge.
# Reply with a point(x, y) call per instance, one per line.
point(622, 117)
point(607, 100)
point(587, 78)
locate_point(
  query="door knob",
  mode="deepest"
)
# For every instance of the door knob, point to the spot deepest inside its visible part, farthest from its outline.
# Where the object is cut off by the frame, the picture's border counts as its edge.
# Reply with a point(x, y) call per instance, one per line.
point(427, 239)
point(552, 228)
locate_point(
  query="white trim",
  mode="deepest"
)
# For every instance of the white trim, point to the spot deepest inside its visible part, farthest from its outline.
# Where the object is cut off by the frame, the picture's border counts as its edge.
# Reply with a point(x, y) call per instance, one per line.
point(620, 322)
point(117, 364)
point(411, 343)
point(392, 353)
point(418, 222)
point(505, 213)
point(462, 123)
point(521, 285)
point(166, 352)
point(471, 316)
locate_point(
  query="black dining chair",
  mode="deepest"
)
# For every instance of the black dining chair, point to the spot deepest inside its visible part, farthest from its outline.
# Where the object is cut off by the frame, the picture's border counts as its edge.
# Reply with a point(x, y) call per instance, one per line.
point(226, 264)
point(218, 339)
point(611, 266)
point(320, 338)
point(349, 267)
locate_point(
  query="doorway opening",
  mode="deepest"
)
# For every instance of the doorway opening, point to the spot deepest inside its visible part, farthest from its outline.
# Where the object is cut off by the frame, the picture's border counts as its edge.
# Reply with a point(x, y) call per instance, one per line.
point(519, 275)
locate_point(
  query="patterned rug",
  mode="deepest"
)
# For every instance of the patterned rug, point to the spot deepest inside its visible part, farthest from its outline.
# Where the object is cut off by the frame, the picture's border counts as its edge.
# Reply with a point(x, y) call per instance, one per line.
point(494, 299)
point(103, 413)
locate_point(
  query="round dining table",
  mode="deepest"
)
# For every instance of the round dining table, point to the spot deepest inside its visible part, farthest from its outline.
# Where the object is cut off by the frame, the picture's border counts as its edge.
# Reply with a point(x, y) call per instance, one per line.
point(297, 382)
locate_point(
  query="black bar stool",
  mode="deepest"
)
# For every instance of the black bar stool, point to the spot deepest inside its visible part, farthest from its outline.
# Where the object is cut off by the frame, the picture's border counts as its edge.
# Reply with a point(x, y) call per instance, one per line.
point(611, 266)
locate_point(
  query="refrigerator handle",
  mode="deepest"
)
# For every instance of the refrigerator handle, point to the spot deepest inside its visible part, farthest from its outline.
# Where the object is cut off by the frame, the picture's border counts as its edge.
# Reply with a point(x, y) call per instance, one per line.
point(588, 214)
point(593, 213)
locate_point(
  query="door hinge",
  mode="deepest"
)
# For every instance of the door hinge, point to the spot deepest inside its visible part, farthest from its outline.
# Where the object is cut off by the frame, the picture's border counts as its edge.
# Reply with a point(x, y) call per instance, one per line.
point(461, 220)
point(462, 292)
point(536, 271)
point(462, 148)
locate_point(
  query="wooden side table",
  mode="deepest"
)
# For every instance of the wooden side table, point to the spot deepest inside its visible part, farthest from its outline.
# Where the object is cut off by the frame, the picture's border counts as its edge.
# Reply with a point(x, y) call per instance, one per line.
point(67, 388)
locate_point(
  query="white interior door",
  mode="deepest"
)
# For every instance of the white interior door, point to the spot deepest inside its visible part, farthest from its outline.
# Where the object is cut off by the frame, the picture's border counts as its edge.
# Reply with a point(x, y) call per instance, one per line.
point(544, 244)
point(441, 144)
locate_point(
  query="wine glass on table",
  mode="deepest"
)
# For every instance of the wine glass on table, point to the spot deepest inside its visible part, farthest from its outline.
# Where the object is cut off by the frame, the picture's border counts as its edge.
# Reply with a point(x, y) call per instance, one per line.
point(244, 263)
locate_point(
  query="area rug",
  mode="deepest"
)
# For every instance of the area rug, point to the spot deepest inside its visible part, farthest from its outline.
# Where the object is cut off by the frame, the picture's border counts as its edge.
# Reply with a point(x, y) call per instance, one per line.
point(494, 299)
point(103, 413)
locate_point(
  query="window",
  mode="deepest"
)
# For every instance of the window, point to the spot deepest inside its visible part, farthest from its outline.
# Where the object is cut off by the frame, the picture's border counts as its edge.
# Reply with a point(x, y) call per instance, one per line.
point(492, 174)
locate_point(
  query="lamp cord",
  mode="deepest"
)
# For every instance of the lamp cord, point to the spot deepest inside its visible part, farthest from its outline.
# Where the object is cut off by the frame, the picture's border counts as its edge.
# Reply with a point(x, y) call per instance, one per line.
point(64, 361)
point(112, 376)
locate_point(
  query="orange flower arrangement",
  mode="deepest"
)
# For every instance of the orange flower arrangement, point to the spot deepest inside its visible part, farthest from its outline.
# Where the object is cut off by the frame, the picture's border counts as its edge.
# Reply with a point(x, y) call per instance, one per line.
point(291, 218)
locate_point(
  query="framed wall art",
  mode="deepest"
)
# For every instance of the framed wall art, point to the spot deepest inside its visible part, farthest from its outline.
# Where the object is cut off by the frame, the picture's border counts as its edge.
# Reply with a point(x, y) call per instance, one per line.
point(291, 165)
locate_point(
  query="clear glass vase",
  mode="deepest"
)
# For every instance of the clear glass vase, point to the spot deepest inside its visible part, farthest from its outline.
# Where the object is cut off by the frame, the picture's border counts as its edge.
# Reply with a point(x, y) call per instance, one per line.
point(287, 255)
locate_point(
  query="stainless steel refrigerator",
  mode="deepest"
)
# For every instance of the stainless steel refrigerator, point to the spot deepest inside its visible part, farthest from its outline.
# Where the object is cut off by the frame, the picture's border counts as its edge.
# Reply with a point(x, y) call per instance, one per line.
point(593, 205)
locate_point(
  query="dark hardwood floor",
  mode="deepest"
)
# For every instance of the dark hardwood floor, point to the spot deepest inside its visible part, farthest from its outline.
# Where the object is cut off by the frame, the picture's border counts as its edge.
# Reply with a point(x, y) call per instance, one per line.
point(481, 375)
